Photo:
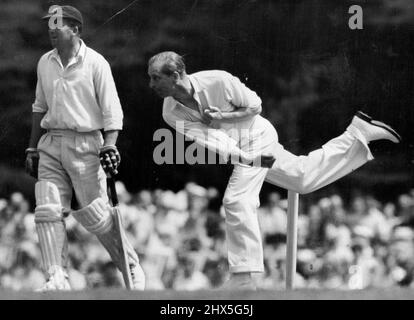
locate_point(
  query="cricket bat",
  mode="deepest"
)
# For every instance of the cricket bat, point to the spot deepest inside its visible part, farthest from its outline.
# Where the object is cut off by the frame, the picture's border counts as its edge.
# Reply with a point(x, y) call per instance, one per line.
point(117, 218)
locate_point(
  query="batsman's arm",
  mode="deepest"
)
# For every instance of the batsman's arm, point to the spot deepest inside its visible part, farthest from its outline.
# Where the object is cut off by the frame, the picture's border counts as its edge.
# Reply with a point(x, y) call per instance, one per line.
point(32, 155)
point(110, 137)
point(107, 96)
point(112, 115)
point(36, 129)
point(39, 108)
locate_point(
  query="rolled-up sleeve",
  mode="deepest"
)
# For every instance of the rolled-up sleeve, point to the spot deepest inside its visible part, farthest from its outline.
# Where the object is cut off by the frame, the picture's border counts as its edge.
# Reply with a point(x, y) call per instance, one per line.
point(238, 94)
point(107, 96)
point(215, 140)
point(39, 104)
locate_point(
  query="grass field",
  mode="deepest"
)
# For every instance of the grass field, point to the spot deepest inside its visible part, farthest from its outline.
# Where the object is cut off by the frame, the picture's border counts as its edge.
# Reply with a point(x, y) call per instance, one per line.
point(377, 294)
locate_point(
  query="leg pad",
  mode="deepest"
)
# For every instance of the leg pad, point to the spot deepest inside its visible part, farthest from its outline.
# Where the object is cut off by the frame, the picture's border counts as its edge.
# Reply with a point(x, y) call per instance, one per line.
point(50, 226)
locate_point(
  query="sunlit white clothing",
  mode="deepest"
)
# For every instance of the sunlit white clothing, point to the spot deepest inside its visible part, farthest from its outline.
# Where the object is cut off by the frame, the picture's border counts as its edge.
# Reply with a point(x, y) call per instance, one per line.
point(302, 174)
point(81, 97)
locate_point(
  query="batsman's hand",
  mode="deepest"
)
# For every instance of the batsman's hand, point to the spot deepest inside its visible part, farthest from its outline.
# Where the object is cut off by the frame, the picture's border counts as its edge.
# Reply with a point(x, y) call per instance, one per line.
point(32, 162)
point(110, 159)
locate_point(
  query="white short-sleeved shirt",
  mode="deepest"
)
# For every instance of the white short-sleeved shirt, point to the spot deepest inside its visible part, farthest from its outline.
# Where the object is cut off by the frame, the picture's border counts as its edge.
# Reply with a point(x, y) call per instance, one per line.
point(80, 97)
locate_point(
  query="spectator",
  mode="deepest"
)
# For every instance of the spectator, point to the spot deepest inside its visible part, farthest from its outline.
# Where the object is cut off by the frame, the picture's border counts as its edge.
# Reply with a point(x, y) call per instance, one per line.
point(365, 271)
point(25, 273)
point(401, 258)
point(189, 277)
point(374, 219)
point(272, 217)
point(406, 210)
point(180, 237)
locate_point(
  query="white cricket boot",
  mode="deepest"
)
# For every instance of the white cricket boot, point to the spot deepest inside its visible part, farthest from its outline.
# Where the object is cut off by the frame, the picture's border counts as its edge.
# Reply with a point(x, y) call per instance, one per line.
point(58, 280)
point(371, 129)
point(137, 276)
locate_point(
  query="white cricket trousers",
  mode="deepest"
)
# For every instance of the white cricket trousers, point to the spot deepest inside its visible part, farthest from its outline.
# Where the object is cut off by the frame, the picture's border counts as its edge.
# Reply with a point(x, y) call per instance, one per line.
point(69, 158)
point(302, 174)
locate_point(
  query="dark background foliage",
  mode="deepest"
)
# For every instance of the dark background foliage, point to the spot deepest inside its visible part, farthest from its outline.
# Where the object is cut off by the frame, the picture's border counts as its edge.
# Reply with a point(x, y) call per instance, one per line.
point(311, 71)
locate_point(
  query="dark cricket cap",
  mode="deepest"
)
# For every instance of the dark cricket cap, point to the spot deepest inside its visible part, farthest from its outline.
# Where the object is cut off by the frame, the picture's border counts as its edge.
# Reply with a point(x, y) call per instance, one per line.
point(68, 12)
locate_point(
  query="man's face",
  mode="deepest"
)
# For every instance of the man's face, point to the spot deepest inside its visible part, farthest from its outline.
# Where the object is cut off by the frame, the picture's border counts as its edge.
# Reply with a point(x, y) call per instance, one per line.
point(162, 84)
point(61, 34)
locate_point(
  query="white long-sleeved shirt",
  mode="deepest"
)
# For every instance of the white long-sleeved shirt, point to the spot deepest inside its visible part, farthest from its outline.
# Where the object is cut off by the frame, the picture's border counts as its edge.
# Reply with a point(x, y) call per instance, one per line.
point(222, 90)
point(80, 97)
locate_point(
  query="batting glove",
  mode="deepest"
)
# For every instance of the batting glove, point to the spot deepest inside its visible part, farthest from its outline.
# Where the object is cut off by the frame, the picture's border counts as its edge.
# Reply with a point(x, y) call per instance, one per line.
point(110, 159)
point(32, 162)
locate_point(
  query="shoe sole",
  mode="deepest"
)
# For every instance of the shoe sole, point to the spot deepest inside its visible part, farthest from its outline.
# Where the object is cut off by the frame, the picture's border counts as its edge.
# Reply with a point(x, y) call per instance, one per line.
point(376, 123)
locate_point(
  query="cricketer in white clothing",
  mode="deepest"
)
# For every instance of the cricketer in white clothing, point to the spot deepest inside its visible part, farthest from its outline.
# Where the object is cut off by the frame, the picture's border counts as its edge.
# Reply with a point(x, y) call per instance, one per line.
point(210, 107)
point(76, 97)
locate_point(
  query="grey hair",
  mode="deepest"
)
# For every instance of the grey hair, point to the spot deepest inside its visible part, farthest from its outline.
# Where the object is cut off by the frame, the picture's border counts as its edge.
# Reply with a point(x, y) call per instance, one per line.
point(171, 62)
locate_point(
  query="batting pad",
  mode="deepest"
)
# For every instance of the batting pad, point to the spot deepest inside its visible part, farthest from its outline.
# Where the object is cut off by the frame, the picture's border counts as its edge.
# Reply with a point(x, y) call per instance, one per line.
point(96, 217)
point(48, 205)
point(53, 244)
point(50, 226)
point(112, 243)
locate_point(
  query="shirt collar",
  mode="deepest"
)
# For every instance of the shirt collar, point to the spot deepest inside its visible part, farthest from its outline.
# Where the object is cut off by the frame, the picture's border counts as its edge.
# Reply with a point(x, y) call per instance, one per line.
point(79, 57)
point(195, 84)
point(198, 90)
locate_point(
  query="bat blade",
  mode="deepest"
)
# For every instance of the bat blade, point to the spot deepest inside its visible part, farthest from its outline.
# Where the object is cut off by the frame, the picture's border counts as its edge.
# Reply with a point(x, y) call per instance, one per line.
point(126, 271)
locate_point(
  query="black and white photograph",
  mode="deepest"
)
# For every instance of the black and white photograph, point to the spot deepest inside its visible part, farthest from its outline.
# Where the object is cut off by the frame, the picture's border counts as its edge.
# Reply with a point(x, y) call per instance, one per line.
point(213, 152)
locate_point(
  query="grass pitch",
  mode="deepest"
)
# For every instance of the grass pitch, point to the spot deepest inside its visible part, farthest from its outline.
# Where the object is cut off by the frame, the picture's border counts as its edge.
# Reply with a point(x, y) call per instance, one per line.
point(103, 294)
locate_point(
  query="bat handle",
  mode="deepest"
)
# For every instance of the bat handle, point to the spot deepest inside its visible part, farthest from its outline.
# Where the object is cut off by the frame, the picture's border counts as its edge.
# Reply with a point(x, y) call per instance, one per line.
point(112, 189)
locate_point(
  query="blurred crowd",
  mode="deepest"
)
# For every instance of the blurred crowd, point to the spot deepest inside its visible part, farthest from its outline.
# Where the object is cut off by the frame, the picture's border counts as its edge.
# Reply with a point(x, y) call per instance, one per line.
point(180, 239)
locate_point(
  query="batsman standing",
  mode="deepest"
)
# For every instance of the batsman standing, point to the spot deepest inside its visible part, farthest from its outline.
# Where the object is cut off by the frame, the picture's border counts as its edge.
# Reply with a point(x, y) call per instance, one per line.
point(215, 109)
point(76, 99)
